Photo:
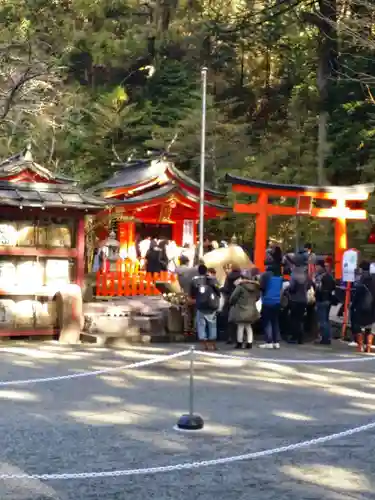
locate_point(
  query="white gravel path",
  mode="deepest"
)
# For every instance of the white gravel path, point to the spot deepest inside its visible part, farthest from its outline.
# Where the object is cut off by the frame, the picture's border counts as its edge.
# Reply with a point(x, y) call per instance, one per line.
point(125, 420)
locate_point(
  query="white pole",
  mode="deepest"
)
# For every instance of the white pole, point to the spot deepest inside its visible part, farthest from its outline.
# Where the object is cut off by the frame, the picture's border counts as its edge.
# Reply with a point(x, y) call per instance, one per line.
point(202, 163)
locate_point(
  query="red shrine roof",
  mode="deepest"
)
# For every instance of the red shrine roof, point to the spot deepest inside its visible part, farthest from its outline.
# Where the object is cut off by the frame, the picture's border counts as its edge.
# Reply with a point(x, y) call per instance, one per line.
point(24, 183)
point(21, 167)
point(168, 193)
point(137, 176)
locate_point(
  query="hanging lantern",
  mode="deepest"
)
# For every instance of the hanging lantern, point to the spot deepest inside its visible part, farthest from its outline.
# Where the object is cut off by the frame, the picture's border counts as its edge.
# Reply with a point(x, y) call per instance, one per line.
point(233, 240)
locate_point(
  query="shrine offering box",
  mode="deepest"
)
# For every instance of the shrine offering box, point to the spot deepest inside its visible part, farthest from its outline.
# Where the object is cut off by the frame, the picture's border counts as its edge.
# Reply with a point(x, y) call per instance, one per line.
point(59, 237)
point(8, 274)
point(7, 313)
point(30, 273)
point(25, 313)
point(8, 234)
point(44, 233)
point(57, 272)
point(26, 235)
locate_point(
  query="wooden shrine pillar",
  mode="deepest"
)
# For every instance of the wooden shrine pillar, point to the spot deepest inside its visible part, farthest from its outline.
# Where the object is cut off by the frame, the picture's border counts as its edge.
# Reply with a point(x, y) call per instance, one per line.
point(80, 246)
point(126, 237)
point(261, 231)
point(177, 232)
point(341, 240)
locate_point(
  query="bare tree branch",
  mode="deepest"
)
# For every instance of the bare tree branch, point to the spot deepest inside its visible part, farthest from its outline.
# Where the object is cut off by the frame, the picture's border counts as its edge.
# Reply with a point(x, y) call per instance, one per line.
point(25, 74)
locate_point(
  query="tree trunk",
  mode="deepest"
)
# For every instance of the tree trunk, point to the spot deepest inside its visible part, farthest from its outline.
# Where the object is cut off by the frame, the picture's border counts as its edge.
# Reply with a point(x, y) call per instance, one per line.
point(326, 74)
point(322, 148)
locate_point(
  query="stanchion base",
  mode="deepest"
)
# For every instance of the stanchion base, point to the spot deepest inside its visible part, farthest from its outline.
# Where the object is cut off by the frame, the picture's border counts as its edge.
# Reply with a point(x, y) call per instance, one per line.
point(190, 423)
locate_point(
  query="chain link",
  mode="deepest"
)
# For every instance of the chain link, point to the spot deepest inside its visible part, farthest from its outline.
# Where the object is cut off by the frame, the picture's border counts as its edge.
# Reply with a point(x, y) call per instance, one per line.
point(358, 359)
point(195, 465)
point(161, 359)
point(138, 364)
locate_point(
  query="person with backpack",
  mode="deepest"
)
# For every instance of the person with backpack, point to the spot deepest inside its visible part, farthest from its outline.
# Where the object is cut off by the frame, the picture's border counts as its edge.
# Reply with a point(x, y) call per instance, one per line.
point(324, 288)
point(205, 294)
point(271, 285)
point(243, 309)
point(362, 310)
point(301, 294)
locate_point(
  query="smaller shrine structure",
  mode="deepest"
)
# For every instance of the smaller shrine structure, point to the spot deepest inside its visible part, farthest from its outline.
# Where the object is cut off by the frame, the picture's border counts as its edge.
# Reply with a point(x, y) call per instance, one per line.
point(153, 198)
point(42, 242)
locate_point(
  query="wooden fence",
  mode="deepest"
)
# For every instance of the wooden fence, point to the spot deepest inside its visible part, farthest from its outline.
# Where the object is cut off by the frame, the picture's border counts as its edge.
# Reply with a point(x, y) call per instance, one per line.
point(130, 283)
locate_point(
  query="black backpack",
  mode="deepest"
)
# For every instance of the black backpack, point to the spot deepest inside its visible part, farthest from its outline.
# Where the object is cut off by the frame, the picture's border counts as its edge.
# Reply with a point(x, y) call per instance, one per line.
point(206, 297)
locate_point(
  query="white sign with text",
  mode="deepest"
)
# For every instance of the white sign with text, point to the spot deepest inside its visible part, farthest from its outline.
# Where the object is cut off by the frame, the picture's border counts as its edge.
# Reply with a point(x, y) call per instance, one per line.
point(349, 265)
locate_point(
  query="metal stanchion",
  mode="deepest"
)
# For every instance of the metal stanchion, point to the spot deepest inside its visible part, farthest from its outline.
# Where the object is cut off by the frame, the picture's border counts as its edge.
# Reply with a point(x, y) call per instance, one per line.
point(191, 422)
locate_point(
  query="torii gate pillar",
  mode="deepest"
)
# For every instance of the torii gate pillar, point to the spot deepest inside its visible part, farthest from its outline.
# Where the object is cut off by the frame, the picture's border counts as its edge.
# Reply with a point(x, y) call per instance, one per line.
point(261, 230)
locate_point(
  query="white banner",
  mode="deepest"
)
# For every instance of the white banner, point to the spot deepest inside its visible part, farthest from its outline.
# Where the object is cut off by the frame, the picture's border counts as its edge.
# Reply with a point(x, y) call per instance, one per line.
point(188, 232)
point(349, 265)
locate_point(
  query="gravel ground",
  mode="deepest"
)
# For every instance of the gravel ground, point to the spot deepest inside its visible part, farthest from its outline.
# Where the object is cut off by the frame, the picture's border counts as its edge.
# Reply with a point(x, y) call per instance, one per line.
point(125, 420)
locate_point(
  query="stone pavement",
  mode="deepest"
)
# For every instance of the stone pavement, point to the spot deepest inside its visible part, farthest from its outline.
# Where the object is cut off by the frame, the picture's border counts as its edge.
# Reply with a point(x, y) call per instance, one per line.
point(125, 420)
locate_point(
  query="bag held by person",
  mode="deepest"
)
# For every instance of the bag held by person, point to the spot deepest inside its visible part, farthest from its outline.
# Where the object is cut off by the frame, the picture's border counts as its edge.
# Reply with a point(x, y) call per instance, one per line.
point(310, 295)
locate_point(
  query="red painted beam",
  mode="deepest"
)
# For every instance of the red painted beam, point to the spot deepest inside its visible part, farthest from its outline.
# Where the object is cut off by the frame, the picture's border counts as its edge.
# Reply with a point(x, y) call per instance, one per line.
point(319, 213)
point(237, 188)
point(65, 253)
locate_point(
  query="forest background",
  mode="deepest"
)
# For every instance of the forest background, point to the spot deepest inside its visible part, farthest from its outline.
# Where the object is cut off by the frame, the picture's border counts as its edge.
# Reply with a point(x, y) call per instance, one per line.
point(290, 91)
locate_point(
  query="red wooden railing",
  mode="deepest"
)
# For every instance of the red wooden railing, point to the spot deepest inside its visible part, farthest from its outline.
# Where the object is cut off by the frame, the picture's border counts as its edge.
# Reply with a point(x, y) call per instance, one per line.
point(119, 283)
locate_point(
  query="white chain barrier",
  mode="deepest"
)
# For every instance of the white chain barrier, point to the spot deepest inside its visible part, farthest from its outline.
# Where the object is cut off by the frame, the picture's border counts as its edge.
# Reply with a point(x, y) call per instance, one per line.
point(161, 359)
point(138, 364)
point(358, 359)
point(194, 465)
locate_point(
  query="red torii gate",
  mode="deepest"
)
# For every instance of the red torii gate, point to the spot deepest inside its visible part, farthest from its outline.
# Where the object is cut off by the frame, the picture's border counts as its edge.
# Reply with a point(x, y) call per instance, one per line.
point(344, 203)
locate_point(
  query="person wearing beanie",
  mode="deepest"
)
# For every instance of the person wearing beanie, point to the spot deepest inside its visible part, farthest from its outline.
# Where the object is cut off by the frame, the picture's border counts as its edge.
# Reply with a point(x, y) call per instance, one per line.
point(324, 288)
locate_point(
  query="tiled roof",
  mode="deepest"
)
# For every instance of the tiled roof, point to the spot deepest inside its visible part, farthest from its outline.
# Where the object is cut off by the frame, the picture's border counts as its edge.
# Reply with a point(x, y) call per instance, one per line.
point(57, 191)
point(47, 195)
point(133, 173)
point(139, 172)
point(24, 161)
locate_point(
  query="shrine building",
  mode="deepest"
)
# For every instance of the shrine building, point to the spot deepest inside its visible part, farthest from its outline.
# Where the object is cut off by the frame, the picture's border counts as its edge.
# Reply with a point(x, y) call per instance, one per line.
point(150, 198)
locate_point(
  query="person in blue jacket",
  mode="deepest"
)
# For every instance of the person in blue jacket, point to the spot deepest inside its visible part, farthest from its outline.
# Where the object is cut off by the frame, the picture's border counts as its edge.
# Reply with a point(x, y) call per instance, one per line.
point(271, 285)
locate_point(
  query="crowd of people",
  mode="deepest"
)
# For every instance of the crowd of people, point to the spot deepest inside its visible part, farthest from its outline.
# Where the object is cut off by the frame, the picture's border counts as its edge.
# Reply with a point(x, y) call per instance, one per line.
point(281, 307)
point(157, 255)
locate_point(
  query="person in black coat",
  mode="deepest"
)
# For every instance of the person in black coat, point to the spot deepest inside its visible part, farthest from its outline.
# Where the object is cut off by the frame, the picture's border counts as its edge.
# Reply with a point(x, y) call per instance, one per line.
point(362, 311)
point(155, 261)
point(230, 329)
point(325, 285)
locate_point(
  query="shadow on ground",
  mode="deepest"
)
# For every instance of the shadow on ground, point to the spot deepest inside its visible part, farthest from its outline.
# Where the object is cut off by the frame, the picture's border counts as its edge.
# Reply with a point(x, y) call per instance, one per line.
point(124, 420)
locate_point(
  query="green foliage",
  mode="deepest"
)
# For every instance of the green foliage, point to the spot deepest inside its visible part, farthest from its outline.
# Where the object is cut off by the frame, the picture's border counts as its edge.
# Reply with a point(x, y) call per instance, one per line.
point(92, 82)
